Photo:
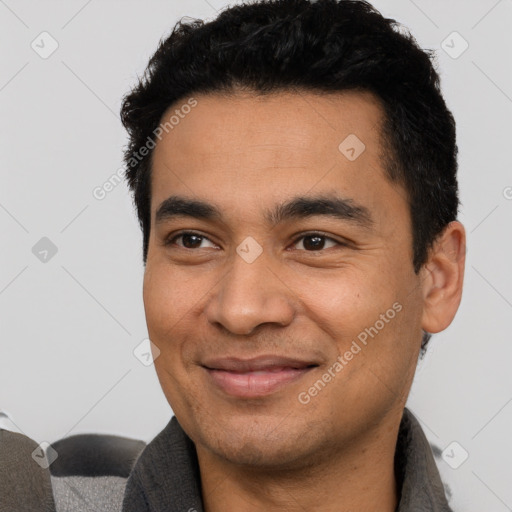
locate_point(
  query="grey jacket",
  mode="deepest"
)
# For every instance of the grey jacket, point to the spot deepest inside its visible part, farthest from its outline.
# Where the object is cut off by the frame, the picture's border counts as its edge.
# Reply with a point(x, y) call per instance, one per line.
point(111, 473)
point(24, 477)
point(166, 476)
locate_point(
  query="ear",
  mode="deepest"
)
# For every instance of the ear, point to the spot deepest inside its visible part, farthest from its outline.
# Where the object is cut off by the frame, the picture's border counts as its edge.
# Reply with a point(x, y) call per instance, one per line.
point(442, 277)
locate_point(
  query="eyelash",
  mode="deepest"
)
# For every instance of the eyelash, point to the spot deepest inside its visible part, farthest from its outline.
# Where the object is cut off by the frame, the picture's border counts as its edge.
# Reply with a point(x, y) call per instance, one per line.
point(170, 241)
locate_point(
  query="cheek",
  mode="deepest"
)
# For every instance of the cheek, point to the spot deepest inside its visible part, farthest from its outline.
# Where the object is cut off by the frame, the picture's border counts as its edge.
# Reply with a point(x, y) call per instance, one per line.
point(165, 305)
point(372, 321)
point(172, 304)
point(167, 297)
point(168, 304)
point(347, 305)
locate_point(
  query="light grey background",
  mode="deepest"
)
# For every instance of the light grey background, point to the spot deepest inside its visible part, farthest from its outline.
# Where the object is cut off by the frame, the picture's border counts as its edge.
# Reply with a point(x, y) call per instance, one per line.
point(69, 325)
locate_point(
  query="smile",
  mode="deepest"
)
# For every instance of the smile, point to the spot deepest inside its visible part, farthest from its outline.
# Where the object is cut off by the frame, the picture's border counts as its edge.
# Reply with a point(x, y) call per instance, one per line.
point(257, 377)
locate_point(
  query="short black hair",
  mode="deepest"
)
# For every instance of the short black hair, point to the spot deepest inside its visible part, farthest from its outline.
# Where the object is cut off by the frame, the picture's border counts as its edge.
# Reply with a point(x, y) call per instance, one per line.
point(322, 46)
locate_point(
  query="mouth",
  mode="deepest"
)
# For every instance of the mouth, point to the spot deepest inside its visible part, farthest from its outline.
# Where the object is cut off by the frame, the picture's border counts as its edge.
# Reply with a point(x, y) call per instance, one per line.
point(257, 377)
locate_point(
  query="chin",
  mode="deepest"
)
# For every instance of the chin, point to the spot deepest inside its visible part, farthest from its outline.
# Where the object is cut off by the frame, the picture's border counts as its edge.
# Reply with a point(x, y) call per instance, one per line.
point(259, 454)
point(274, 446)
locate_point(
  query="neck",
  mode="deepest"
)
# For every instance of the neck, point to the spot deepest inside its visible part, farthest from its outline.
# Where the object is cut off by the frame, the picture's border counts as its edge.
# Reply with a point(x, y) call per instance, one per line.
point(358, 477)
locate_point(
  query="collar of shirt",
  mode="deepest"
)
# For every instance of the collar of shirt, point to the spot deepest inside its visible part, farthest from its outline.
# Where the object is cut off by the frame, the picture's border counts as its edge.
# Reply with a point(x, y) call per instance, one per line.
point(6, 422)
point(166, 476)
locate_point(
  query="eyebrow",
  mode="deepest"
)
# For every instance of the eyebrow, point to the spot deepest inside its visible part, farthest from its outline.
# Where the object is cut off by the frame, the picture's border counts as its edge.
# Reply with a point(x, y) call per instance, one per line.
point(297, 208)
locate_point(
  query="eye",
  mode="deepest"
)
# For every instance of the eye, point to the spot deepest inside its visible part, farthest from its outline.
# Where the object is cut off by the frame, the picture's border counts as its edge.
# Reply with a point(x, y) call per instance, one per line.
point(316, 241)
point(190, 240)
point(311, 242)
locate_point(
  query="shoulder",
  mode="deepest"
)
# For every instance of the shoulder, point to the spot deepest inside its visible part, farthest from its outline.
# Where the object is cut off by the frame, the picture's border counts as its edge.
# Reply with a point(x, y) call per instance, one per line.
point(417, 463)
point(167, 472)
point(24, 481)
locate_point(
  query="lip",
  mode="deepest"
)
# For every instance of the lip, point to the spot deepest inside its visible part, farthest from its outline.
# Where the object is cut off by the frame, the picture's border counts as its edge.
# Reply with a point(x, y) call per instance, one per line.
point(256, 377)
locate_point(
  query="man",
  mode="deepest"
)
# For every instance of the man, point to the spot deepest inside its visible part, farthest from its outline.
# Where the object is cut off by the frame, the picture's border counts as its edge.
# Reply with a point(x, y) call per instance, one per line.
point(293, 165)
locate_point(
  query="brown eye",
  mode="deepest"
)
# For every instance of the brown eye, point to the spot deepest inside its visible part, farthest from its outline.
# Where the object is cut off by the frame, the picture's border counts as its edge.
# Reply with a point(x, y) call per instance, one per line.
point(190, 240)
point(316, 242)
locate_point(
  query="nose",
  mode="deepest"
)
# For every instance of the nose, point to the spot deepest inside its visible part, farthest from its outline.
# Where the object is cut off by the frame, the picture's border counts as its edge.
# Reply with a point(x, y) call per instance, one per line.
point(249, 295)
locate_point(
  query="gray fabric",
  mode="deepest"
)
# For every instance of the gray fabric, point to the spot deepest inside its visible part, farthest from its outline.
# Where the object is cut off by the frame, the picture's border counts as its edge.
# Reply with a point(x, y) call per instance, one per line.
point(88, 494)
point(95, 455)
point(24, 485)
point(421, 485)
point(166, 476)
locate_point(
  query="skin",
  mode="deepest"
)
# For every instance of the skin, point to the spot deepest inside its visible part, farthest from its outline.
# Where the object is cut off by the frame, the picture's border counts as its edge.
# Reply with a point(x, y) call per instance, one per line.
point(245, 154)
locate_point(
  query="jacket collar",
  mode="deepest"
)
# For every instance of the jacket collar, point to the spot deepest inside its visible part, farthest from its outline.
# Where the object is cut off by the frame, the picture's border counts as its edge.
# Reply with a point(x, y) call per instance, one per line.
point(416, 470)
point(166, 476)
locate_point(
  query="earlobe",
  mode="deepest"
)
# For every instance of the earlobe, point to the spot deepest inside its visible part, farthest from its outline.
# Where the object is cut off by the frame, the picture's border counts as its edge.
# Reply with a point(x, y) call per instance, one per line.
point(442, 278)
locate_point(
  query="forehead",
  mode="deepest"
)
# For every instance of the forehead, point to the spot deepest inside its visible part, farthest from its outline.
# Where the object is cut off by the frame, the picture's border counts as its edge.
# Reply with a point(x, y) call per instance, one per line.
point(245, 147)
point(307, 123)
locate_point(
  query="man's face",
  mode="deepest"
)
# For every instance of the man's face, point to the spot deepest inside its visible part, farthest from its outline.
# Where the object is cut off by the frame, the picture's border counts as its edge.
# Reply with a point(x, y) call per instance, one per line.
point(251, 311)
